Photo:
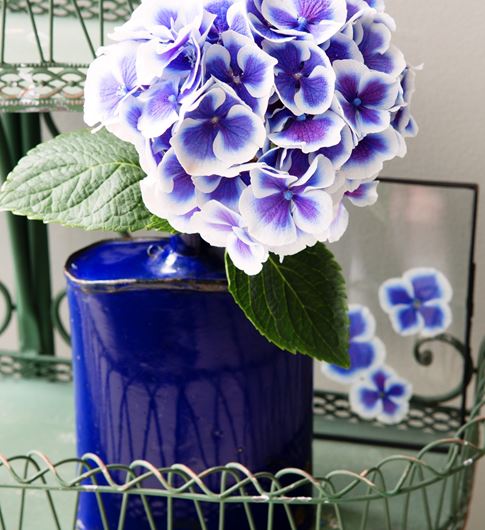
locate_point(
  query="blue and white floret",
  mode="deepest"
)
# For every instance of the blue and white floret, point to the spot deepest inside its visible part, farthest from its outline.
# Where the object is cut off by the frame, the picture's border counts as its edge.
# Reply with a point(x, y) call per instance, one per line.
point(256, 121)
point(418, 303)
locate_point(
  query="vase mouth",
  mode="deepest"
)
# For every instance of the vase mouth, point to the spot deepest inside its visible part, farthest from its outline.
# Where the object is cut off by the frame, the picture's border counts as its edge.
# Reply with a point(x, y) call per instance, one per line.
point(149, 263)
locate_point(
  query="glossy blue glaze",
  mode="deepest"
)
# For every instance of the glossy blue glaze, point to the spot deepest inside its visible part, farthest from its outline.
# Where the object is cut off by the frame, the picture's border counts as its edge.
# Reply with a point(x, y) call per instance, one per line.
point(168, 369)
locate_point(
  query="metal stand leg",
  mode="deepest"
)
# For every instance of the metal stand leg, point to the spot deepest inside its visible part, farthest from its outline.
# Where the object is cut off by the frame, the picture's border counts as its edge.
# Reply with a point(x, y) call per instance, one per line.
point(29, 242)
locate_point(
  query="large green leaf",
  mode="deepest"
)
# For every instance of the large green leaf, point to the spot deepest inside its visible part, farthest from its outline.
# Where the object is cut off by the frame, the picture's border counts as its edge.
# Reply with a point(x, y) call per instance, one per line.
point(80, 179)
point(300, 305)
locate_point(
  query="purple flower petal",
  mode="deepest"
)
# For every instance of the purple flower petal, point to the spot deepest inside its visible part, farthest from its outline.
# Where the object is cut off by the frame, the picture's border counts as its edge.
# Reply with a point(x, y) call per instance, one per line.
point(378, 91)
point(364, 356)
point(217, 62)
point(406, 320)
point(180, 201)
point(320, 19)
point(110, 79)
point(392, 62)
point(395, 293)
point(227, 192)
point(309, 133)
point(397, 390)
point(368, 157)
point(340, 153)
point(369, 398)
point(313, 211)
point(364, 195)
point(266, 181)
point(245, 253)
point(429, 285)
point(240, 136)
point(389, 407)
point(160, 111)
point(379, 378)
point(268, 219)
point(437, 318)
point(220, 132)
point(362, 323)
point(342, 47)
point(129, 113)
point(305, 80)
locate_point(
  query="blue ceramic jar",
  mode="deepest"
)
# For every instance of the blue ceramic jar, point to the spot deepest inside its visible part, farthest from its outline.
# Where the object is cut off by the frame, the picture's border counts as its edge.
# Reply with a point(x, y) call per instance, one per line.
point(167, 369)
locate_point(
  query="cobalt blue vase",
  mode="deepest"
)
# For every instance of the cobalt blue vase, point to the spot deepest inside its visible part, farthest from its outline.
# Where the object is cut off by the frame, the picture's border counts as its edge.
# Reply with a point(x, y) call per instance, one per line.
point(168, 369)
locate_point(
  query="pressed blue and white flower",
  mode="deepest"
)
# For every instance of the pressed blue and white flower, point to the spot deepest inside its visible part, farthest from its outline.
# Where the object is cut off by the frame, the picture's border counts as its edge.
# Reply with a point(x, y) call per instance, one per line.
point(220, 132)
point(245, 67)
point(418, 303)
point(306, 132)
point(222, 227)
point(278, 205)
point(305, 80)
point(317, 20)
point(367, 97)
point(366, 351)
point(382, 395)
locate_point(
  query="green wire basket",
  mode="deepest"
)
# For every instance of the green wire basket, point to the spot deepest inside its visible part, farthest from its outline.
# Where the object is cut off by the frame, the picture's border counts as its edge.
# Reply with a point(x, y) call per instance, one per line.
point(425, 490)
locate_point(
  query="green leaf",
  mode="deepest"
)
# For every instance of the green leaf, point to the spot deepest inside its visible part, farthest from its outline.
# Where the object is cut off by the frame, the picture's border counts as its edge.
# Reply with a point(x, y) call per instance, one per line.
point(300, 305)
point(160, 225)
point(79, 179)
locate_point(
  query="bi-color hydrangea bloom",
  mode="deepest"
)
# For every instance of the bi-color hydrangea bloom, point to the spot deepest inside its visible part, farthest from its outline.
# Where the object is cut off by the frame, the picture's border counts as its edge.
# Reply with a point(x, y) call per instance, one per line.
point(418, 303)
point(256, 121)
point(382, 395)
point(366, 351)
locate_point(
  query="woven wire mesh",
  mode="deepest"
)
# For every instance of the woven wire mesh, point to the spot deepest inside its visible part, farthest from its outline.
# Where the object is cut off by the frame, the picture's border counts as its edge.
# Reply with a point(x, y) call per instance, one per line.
point(35, 36)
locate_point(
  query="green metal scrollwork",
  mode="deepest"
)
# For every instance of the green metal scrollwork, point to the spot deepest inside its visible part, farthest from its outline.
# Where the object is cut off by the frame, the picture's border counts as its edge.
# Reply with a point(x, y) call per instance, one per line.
point(57, 319)
point(425, 356)
point(9, 308)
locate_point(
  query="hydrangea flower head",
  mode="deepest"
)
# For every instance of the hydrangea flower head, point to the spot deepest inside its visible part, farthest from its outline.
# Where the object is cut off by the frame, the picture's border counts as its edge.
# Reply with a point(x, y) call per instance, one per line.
point(382, 396)
point(367, 352)
point(418, 303)
point(256, 121)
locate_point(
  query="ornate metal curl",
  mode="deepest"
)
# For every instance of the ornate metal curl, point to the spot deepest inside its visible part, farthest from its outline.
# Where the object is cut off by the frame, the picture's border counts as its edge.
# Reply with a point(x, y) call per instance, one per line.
point(57, 319)
point(425, 356)
point(9, 308)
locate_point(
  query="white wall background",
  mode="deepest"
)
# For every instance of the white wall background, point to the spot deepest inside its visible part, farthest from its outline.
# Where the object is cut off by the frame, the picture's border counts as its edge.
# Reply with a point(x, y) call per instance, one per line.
point(447, 37)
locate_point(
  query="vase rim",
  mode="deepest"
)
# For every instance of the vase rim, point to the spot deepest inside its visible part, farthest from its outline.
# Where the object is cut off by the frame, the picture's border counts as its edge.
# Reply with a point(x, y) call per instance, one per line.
point(176, 281)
